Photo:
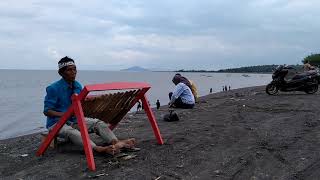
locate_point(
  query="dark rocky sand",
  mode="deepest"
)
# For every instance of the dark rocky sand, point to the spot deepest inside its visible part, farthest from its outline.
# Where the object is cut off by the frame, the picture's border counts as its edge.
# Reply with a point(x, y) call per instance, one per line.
point(240, 134)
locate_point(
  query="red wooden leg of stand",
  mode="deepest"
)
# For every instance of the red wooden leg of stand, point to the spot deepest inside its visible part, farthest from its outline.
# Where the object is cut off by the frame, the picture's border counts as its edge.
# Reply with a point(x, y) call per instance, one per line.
point(84, 132)
point(152, 119)
point(54, 132)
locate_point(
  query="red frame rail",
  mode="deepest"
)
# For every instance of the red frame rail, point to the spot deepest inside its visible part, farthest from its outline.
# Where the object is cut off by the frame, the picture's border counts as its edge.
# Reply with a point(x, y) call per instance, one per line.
point(76, 109)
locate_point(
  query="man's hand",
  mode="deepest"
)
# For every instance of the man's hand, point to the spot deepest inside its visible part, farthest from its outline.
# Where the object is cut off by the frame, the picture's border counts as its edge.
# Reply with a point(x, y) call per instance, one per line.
point(52, 113)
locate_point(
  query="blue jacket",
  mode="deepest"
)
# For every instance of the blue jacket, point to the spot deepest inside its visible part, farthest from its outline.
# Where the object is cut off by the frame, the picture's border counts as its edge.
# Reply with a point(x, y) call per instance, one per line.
point(58, 98)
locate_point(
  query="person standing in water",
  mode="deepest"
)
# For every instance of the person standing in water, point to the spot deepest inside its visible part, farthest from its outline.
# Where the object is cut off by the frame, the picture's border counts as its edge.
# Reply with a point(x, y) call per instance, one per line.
point(158, 104)
point(139, 106)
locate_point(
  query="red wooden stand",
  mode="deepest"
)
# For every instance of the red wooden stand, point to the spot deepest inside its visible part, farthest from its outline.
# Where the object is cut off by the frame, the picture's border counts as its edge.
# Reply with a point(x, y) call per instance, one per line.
point(76, 109)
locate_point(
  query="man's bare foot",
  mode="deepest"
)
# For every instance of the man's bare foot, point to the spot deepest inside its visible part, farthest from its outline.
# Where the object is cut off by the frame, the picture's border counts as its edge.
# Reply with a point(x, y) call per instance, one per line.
point(130, 143)
point(112, 149)
point(127, 143)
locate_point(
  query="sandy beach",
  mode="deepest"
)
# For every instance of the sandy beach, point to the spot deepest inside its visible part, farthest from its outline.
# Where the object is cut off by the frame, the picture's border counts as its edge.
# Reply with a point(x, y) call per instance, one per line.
point(239, 134)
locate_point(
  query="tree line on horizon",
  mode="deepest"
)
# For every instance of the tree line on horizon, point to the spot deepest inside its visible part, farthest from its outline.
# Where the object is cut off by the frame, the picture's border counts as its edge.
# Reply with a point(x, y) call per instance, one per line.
point(247, 69)
point(314, 60)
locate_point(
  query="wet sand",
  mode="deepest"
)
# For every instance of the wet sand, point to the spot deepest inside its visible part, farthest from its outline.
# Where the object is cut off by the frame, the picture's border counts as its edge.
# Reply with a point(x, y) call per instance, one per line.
point(239, 134)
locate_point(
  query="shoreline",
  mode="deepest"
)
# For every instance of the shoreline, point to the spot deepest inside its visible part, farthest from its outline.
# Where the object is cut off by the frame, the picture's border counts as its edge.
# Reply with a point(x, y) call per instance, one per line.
point(129, 113)
point(238, 134)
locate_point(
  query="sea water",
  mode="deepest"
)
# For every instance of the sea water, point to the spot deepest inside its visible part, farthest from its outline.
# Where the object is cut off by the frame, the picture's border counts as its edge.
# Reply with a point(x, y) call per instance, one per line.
point(22, 91)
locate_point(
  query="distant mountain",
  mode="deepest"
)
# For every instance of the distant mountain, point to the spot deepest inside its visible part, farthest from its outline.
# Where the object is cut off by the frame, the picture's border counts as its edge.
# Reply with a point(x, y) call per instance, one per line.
point(135, 69)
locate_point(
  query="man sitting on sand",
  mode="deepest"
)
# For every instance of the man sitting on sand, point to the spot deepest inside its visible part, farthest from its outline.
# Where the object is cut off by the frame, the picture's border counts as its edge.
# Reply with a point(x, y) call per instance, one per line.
point(58, 100)
point(182, 96)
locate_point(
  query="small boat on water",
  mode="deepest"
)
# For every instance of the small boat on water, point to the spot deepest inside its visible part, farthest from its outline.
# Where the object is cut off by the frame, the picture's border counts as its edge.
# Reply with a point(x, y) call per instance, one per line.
point(203, 75)
point(245, 75)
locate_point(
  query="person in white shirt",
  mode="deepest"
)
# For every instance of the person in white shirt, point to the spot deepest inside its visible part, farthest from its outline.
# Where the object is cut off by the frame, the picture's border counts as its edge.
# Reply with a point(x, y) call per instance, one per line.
point(182, 96)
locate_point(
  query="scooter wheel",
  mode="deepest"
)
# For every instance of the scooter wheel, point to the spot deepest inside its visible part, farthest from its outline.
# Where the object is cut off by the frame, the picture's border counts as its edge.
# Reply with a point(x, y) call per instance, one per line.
point(271, 89)
point(311, 89)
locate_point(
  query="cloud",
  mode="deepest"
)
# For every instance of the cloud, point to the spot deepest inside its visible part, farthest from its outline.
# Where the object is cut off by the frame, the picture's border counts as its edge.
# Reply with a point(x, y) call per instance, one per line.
point(54, 53)
point(166, 34)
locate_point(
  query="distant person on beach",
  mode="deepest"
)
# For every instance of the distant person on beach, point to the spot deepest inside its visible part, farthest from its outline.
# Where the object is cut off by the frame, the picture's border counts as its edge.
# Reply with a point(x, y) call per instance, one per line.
point(225, 87)
point(182, 96)
point(139, 106)
point(229, 88)
point(307, 66)
point(190, 84)
point(58, 100)
point(158, 104)
point(210, 90)
point(222, 88)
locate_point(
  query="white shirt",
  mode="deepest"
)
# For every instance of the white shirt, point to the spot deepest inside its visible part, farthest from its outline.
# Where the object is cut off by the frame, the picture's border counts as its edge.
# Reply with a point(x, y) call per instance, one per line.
point(184, 92)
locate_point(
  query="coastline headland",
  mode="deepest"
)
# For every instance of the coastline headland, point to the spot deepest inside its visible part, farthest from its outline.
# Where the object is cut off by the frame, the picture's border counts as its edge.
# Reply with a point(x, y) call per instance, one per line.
point(238, 134)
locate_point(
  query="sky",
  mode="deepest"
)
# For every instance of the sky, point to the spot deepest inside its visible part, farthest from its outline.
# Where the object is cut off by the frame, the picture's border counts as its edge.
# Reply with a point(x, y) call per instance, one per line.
point(158, 35)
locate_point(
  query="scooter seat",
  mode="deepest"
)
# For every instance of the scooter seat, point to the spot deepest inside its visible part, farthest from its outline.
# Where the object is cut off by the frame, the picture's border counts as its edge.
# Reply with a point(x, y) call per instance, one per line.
point(304, 74)
point(297, 78)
